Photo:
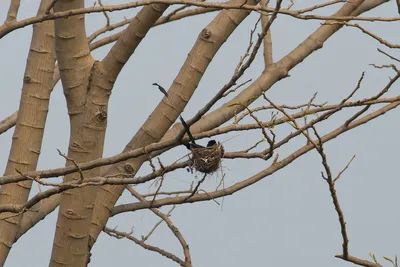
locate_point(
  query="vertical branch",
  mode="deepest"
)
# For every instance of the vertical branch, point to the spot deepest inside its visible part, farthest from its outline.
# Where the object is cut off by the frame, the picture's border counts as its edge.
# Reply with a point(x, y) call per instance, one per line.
point(87, 94)
point(28, 134)
point(13, 11)
point(87, 87)
point(267, 40)
point(331, 182)
point(129, 236)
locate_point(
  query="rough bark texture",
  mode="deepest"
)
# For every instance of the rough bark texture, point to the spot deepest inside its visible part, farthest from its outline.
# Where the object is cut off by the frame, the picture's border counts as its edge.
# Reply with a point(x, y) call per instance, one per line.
point(130, 39)
point(87, 107)
point(87, 86)
point(207, 45)
point(28, 134)
point(274, 73)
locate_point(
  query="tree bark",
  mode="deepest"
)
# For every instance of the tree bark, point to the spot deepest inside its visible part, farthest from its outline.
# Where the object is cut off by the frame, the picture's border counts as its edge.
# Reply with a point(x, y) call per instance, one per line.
point(28, 134)
point(87, 86)
point(87, 107)
point(207, 45)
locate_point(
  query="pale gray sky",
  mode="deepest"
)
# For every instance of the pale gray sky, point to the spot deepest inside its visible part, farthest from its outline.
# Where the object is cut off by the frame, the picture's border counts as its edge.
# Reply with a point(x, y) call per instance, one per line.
point(288, 218)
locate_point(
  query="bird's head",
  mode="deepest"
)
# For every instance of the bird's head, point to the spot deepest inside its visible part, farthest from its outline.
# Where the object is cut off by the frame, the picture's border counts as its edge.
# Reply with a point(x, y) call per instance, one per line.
point(211, 143)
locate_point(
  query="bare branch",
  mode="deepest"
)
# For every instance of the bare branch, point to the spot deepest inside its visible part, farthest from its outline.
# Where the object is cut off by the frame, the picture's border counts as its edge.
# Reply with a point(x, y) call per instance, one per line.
point(104, 13)
point(8, 122)
point(130, 38)
point(345, 168)
point(358, 261)
point(319, 6)
point(50, 6)
point(331, 182)
point(13, 11)
point(172, 142)
point(374, 36)
point(171, 226)
point(160, 21)
point(259, 176)
point(386, 54)
point(145, 238)
point(267, 39)
point(196, 188)
point(119, 235)
point(5, 29)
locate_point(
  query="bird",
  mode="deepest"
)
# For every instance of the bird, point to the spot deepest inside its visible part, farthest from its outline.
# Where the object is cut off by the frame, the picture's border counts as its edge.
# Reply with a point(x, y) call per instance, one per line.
point(192, 143)
point(211, 143)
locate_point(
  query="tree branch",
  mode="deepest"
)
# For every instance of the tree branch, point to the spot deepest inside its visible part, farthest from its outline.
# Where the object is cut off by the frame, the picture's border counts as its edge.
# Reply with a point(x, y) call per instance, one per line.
point(29, 130)
point(118, 234)
point(130, 38)
point(8, 122)
point(171, 226)
point(208, 43)
point(12, 11)
point(5, 29)
point(259, 176)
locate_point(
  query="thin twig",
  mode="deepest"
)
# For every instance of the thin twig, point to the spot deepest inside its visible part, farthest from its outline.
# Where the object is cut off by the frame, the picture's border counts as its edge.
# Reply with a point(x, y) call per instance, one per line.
point(196, 188)
point(119, 235)
point(331, 183)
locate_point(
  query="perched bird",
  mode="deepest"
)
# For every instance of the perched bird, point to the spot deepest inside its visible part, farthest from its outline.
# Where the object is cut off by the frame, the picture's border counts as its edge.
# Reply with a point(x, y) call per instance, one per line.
point(211, 143)
point(192, 143)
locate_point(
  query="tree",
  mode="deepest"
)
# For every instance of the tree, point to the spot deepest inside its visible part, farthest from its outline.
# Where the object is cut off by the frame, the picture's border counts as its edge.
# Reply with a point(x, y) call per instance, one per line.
point(276, 134)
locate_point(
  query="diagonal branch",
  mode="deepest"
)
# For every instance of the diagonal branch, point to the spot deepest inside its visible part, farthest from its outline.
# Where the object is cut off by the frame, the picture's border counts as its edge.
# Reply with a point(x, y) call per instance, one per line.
point(130, 39)
point(8, 122)
point(275, 73)
point(118, 234)
point(171, 226)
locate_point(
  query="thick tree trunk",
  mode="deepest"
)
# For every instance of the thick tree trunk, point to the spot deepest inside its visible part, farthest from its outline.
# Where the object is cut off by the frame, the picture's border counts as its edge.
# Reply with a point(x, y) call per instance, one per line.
point(29, 129)
point(87, 109)
point(87, 87)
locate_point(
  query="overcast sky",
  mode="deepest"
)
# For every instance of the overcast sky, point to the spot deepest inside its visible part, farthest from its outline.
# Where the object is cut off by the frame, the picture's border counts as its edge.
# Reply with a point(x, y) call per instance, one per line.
point(286, 219)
